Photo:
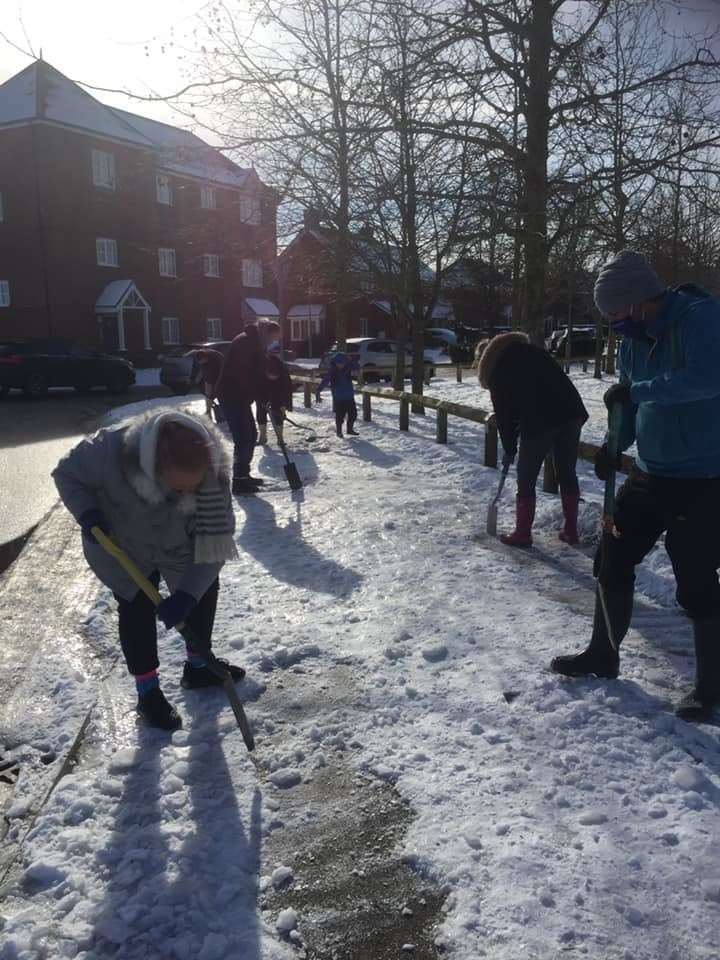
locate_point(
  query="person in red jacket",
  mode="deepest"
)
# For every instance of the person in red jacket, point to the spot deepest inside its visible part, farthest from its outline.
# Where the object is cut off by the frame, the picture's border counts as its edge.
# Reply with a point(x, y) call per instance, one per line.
point(243, 380)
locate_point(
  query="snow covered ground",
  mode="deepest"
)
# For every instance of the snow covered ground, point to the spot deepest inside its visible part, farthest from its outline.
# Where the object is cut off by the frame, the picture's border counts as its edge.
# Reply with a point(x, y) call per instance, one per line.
point(382, 629)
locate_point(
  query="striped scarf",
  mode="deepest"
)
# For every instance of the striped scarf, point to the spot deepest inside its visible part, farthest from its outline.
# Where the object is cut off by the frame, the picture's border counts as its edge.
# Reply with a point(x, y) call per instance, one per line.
point(214, 519)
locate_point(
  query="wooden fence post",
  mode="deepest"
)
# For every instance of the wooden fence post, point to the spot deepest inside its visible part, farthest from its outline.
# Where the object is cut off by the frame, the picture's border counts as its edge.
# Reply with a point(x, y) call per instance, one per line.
point(585, 364)
point(367, 408)
point(441, 426)
point(404, 414)
point(491, 444)
point(458, 373)
point(307, 399)
point(550, 482)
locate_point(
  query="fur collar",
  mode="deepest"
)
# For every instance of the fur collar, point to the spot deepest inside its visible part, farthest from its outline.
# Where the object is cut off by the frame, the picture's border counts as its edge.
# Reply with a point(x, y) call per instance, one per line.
point(494, 351)
point(153, 491)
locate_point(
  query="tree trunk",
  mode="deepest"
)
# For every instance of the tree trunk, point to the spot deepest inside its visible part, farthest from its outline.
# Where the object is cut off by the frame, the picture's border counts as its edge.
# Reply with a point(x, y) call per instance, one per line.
point(537, 114)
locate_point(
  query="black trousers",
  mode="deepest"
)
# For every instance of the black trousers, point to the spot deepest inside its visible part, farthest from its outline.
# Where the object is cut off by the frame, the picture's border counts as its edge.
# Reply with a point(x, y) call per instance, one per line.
point(688, 513)
point(563, 442)
point(345, 408)
point(240, 420)
point(138, 626)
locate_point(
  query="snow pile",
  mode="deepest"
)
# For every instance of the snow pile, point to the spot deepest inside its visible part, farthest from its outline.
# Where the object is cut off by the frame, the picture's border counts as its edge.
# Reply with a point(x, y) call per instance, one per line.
point(383, 631)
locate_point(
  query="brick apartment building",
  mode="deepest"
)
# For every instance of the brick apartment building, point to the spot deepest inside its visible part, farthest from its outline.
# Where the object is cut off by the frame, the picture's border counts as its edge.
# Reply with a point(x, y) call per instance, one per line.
point(120, 232)
point(308, 302)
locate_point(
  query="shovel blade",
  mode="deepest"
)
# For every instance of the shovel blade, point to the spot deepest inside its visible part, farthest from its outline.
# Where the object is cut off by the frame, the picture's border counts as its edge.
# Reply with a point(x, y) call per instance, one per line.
point(293, 477)
point(492, 519)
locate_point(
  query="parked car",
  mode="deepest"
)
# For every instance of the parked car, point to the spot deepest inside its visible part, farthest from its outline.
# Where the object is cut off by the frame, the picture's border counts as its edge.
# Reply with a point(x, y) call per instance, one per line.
point(376, 358)
point(177, 367)
point(34, 365)
point(582, 344)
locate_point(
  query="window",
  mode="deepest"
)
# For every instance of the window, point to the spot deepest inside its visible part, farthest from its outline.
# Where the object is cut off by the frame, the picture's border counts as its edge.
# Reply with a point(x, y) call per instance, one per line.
point(4, 293)
point(252, 273)
point(366, 286)
point(106, 251)
point(170, 330)
point(163, 189)
point(208, 198)
point(168, 265)
point(214, 328)
point(2, 214)
point(211, 265)
point(250, 210)
point(302, 328)
point(103, 169)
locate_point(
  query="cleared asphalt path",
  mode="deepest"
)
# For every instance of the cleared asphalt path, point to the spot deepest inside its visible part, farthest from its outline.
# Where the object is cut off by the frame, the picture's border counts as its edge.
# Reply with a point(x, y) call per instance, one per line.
point(34, 434)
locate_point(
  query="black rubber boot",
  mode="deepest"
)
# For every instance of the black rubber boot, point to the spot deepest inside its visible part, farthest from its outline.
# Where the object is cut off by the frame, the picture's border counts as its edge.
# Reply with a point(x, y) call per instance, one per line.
point(194, 678)
point(699, 704)
point(244, 485)
point(600, 659)
point(157, 712)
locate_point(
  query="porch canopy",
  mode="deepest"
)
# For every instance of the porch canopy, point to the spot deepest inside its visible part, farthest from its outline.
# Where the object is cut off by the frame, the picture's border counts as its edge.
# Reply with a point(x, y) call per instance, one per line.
point(116, 298)
point(255, 309)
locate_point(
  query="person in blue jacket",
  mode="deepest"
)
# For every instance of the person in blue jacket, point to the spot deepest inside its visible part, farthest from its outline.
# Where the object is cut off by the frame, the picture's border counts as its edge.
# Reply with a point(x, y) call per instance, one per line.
point(339, 379)
point(669, 389)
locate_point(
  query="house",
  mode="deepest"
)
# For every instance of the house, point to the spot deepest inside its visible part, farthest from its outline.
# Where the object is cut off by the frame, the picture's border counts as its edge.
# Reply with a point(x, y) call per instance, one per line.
point(308, 291)
point(478, 293)
point(120, 232)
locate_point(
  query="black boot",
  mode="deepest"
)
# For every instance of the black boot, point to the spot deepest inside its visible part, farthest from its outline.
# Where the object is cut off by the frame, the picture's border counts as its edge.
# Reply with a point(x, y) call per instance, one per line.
point(600, 659)
point(157, 712)
point(351, 431)
point(194, 678)
point(700, 702)
point(244, 485)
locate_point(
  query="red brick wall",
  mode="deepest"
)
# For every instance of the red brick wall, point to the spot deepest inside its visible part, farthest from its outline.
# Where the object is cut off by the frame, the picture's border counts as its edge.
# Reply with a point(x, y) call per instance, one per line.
point(74, 213)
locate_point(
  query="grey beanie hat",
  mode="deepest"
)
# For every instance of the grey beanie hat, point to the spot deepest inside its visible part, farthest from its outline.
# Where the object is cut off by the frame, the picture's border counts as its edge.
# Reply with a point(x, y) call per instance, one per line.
point(625, 280)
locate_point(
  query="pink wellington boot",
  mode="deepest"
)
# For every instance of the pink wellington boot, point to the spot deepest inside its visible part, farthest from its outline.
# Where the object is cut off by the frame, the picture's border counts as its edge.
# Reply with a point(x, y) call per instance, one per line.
point(524, 516)
point(569, 533)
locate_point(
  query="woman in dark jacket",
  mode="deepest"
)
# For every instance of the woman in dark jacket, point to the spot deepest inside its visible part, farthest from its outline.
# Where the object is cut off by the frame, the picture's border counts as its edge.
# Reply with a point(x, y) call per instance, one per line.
point(535, 403)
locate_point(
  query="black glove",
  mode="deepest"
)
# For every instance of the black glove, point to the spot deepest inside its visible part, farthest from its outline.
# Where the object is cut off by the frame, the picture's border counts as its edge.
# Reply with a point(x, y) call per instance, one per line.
point(176, 608)
point(617, 393)
point(93, 518)
point(508, 459)
point(604, 463)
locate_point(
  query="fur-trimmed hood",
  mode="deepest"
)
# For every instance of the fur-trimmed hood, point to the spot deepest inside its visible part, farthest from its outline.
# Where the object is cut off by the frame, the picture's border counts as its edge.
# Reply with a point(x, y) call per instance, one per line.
point(152, 490)
point(494, 351)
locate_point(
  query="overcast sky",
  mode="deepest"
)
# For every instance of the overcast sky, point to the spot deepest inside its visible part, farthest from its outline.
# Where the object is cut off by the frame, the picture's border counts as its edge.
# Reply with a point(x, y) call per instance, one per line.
point(105, 43)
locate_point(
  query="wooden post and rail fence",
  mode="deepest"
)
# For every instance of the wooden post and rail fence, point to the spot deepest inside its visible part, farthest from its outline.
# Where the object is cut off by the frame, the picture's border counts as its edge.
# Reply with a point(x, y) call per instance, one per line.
point(444, 409)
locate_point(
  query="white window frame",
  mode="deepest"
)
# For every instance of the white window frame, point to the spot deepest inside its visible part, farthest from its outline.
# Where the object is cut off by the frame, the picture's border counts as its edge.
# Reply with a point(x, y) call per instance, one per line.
point(4, 293)
point(302, 328)
point(103, 169)
point(214, 328)
point(211, 265)
point(164, 189)
point(106, 252)
point(252, 273)
point(170, 331)
point(167, 262)
point(250, 209)
point(208, 197)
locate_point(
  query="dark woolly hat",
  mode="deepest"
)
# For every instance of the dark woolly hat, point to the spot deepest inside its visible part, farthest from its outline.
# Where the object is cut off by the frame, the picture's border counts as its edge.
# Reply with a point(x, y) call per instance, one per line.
point(625, 280)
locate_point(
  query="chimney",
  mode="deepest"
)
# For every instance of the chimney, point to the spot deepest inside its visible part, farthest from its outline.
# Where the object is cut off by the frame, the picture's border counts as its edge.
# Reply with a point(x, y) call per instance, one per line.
point(311, 218)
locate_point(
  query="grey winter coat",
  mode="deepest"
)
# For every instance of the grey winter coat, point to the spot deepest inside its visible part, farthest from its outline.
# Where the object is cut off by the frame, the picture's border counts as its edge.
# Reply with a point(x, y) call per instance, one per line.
point(154, 526)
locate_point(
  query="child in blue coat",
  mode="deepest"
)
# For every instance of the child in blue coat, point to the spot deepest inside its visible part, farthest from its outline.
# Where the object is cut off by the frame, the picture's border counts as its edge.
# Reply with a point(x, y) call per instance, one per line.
point(339, 379)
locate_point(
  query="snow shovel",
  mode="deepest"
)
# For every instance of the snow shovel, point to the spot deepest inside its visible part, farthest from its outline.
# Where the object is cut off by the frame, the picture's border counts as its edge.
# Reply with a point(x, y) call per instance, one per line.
point(291, 472)
point(613, 444)
point(184, 630)
point(310, 438)
point(492, 517)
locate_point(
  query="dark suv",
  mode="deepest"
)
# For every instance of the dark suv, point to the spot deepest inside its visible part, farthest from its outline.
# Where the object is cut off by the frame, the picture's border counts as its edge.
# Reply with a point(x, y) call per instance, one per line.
point(34, 365)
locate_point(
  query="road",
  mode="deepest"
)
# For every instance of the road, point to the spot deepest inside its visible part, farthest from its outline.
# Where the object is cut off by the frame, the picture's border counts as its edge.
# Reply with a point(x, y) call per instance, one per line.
point(34, 434)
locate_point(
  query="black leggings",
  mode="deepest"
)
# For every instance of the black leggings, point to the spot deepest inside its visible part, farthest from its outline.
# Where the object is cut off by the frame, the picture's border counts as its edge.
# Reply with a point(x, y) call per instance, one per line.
point(345, 408)
point(688, 513)
point(563, 442)
point(138, 626)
